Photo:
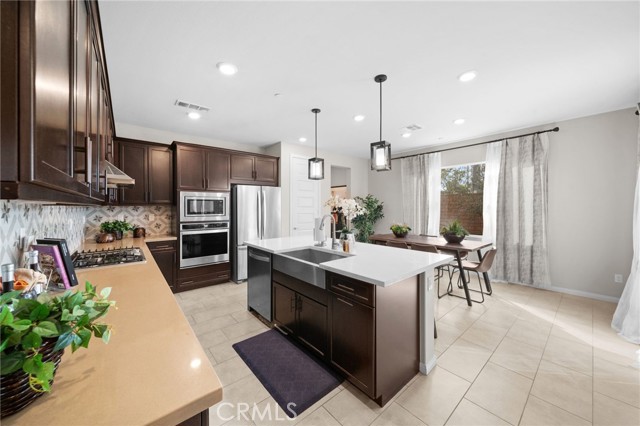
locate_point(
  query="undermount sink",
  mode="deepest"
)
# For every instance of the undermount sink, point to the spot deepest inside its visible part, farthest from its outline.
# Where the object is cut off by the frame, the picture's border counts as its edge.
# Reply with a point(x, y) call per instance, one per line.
point(304, 264)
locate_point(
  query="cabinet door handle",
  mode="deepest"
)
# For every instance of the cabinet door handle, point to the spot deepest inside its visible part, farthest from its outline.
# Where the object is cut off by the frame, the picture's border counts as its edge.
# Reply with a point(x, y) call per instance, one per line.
point(88, 153)
point(187, 282)
point(344, 287)
point(344, 301)
point(280, 330)
point(160, 247)
point(293, 303)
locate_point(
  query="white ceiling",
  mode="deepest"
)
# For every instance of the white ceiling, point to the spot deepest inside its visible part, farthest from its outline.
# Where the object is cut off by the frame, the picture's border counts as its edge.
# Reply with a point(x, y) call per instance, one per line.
point(537, 62)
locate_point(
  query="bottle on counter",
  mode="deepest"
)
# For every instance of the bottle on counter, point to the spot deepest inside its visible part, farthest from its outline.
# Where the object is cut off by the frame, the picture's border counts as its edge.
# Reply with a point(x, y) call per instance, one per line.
point(7, 271)
point(34, 265)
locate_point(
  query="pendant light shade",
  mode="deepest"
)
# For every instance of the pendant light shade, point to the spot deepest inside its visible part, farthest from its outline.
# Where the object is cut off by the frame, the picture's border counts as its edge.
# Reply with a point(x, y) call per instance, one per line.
point(316, 165)
point(381, 150)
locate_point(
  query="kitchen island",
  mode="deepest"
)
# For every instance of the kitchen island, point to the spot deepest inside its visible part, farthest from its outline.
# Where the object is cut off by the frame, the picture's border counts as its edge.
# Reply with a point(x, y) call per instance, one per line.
point(153, 371)
point(369, 314)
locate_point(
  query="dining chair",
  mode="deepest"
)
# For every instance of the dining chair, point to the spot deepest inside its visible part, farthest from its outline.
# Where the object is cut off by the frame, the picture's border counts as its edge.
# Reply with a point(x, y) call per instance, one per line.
point(398, 244)
point(440, 269)
point(481, 267)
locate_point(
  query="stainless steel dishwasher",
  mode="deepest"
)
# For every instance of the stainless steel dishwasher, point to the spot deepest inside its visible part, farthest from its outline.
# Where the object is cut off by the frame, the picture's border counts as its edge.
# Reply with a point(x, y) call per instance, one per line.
point(259, 282)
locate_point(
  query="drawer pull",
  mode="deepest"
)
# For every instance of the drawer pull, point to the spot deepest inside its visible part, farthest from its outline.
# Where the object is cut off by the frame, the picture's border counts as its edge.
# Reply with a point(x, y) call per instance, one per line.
point(344, 287)
point(344, 301)
point(187, 282)
point(159, 247)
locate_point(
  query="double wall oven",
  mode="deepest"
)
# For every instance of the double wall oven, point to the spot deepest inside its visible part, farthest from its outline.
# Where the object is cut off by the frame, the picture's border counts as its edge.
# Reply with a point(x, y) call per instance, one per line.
point(203, 228)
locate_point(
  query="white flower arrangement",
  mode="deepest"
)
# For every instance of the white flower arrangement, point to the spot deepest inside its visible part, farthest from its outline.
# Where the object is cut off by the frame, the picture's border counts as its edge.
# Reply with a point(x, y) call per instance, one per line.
point(350, 208)
point(333, 202)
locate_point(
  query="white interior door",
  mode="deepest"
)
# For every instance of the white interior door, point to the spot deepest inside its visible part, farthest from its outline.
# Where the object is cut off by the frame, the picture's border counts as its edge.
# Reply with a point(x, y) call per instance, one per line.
point(305, 198)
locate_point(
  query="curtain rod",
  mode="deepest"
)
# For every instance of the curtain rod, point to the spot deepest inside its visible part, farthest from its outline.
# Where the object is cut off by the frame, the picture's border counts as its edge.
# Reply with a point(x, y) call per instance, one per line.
point(555, 129)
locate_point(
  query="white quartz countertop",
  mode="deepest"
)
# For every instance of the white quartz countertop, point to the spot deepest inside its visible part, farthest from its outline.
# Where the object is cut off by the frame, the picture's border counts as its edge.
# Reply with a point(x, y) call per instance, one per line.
point(375, 264)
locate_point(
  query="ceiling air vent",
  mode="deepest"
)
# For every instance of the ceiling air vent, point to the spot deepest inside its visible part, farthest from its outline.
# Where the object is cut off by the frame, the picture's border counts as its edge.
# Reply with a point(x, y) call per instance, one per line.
point(413, 127)
point(191, 106)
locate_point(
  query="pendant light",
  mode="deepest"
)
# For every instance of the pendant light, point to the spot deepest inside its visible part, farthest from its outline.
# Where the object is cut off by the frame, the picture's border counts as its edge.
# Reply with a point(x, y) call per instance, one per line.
point(316, 165)
point(381, 150)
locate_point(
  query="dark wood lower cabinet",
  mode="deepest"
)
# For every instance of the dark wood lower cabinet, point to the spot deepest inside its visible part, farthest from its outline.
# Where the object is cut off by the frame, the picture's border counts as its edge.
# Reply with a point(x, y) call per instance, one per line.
point(352, 341)
point(202, 276)
point(300, 311)
point(165, 255)
point(200, 419)
point(367, 333)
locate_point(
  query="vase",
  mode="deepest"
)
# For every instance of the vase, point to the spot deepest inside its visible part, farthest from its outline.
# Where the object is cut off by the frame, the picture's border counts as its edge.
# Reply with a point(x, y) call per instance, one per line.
point(15, 392)
point(453, 238)
point(104, 237)
point(118, 234)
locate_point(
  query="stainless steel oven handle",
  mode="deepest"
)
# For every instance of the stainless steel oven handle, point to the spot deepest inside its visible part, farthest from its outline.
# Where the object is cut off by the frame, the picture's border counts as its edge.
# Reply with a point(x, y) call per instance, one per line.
point(258, 257)
point(204, 231)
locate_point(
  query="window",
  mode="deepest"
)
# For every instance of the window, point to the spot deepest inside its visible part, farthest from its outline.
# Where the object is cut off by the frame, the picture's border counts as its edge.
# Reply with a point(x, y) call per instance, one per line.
point(461, 196)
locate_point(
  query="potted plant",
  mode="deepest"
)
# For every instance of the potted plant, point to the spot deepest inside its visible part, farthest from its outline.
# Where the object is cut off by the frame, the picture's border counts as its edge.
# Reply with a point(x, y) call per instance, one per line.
point(34, 333)
point(115, 227)
point(454, 233)
point(365, 222)
point(400, 230)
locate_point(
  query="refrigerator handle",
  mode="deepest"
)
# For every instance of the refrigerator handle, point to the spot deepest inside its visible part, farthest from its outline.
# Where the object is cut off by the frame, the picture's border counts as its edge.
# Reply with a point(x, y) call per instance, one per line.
point(264, 211)
point(258, 222)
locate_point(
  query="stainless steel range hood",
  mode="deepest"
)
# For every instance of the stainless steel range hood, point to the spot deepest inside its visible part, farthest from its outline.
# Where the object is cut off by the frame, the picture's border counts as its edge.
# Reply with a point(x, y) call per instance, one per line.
point(116, 178)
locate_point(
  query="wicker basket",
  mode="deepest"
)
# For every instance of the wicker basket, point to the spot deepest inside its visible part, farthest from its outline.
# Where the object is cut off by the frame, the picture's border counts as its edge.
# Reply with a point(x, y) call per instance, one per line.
point(15, 393)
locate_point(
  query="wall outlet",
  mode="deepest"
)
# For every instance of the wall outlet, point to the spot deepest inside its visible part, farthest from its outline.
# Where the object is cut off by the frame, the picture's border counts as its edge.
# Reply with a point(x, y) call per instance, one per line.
point(617, 278)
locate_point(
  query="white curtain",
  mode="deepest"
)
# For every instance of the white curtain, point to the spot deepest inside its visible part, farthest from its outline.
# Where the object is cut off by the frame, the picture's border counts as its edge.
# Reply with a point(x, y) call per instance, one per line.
point(521, 233)
point(626, 319)
point(490, 196)
point(433, 208)
point(414, 192)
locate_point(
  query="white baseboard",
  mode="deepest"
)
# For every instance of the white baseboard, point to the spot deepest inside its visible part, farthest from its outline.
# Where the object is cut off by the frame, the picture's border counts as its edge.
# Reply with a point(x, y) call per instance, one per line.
point(588, 294)
point(570, 291)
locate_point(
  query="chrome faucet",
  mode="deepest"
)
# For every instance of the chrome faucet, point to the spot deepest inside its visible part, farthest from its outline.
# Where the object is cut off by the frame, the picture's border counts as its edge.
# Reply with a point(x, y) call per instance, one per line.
point(335, 244)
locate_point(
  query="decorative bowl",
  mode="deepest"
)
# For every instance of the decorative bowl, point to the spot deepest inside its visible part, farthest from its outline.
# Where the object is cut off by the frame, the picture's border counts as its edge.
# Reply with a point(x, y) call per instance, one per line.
point(400, 234)
point(105, 237)
point(453, 238)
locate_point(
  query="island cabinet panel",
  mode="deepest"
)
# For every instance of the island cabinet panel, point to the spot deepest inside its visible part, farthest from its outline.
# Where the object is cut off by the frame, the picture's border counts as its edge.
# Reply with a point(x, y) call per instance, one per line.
point(151, 165)
point(54, 96)
point(199, 168)
point(164, 253)
point(300, 310)
point(254, 169)
point(373, 331)
point(352, 341)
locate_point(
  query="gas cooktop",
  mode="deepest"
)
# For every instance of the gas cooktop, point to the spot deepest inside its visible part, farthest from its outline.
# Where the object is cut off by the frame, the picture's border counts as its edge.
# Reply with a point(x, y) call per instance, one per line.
point(107, 257)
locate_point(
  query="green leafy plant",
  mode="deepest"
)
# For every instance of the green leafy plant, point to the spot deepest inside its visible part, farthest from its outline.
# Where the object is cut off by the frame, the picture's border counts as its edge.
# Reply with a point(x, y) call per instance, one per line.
point(400, 228)
point(115, 226)
point(454, 228)
point(366, 221)
point(26, 323)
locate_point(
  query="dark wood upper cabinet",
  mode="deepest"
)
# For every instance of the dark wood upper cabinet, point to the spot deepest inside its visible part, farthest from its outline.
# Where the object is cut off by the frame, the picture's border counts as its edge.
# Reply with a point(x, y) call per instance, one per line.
point(151, 165)
point(55, 101)
point(217, 170)
point(254, 169)
point(199, 168)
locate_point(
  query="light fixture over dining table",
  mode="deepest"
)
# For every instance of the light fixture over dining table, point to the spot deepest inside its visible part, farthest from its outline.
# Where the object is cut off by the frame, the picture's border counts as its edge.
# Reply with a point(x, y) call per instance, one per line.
point(381, 150)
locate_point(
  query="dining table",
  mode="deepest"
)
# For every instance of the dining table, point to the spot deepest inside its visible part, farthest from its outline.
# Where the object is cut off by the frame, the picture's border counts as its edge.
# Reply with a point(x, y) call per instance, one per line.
point(455, 249)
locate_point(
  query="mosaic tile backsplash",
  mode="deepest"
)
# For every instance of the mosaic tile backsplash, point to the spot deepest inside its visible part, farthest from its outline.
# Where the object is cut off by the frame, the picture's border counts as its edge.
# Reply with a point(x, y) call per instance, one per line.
point(156, 220)
point(40, 220)
point(73, 223)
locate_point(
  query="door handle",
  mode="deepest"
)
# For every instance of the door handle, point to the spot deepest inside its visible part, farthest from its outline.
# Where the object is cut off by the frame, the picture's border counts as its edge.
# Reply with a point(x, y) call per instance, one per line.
point(344, 301)
point(280, 330)
point(344, 287)
point(258, 257)
point(88, 152)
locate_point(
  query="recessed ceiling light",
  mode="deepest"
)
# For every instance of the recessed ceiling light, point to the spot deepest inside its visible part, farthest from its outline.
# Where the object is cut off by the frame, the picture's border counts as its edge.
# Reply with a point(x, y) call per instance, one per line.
point(194, 115)
point(226, 68)
point(458, 121)
point(467, 76)
point(302, 140)
point(406, 135)
point(358, 117)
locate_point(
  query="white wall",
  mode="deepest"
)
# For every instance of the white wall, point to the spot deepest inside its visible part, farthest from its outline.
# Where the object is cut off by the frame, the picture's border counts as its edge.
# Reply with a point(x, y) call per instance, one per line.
point(126, 130)
point(592, 170)
point(359, 167)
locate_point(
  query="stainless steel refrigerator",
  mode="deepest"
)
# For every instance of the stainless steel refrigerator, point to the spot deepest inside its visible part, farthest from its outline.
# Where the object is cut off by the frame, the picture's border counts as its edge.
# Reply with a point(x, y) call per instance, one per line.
point(255, 214)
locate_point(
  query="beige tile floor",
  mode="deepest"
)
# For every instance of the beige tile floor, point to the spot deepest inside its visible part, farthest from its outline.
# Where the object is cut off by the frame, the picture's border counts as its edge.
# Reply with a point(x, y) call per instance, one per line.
point(524, 357)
